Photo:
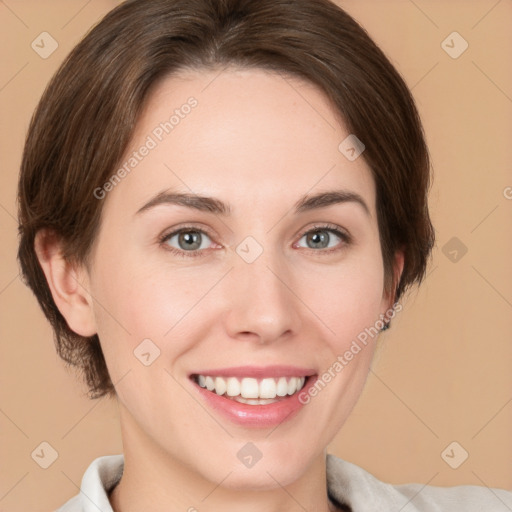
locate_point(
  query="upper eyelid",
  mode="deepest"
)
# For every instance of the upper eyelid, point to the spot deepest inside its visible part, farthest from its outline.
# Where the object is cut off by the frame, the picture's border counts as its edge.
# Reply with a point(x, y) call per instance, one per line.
point(328, 227)
point(177, 230)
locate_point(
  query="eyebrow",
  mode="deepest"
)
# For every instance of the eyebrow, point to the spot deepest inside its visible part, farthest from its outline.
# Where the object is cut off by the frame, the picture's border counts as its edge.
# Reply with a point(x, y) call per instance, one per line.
point(213, 205)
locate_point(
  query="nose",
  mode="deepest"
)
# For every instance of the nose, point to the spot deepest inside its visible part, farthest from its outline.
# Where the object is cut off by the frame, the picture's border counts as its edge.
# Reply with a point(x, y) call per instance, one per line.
point(262, 305)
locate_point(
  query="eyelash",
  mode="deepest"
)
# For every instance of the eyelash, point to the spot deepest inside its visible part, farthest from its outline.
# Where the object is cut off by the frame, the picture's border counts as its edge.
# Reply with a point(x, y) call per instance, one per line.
point(333, 228)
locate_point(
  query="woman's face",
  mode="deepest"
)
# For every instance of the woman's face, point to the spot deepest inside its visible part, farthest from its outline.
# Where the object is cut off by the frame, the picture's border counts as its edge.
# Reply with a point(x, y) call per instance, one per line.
point(255, 286)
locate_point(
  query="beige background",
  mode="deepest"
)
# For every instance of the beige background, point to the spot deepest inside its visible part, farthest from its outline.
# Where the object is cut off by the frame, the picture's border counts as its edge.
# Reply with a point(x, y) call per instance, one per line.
point(444, 371)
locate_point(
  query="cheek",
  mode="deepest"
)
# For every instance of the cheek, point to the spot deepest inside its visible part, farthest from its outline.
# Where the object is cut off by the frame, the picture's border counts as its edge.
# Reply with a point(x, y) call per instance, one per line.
point(149, 300)
point(347, 299)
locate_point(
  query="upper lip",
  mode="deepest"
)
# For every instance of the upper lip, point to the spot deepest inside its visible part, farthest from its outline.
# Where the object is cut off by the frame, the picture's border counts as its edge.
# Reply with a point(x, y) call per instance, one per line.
point(258, 371)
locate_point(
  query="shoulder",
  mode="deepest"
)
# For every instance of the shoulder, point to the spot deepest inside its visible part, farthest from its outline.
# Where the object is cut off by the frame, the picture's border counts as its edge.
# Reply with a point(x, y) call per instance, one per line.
point(353, 486)
point(99, 478)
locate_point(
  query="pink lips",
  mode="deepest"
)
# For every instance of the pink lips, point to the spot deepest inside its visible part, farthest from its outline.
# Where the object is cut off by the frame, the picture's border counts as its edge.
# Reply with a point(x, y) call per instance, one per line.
point(256, 416)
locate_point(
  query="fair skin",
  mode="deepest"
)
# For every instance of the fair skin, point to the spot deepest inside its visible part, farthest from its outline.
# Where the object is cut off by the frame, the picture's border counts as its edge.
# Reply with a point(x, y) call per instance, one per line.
point(254, 142)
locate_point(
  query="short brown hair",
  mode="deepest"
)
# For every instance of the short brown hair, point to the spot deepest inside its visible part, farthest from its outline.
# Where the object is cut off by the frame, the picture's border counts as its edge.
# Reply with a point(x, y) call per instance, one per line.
point(87, 115)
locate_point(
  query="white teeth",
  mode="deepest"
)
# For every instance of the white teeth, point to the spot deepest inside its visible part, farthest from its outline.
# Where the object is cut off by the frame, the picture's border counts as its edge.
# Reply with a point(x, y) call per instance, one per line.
point(268, 388)
point(249, 390)
point(233, 386)
point(209, 383)
point(252, 401)
point(282, 387)
point(220, 385)
point(292, 385)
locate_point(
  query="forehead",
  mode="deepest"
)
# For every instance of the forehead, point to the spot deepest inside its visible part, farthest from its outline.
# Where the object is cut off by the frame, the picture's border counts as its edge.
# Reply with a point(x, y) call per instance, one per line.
point(247, 133)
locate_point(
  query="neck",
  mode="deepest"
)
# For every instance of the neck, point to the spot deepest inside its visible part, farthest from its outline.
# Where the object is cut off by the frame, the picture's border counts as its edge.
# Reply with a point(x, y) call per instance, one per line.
point(155, 481)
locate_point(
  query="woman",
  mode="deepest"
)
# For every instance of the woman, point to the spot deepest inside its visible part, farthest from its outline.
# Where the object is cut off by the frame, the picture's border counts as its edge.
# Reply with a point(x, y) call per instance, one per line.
point(217, 200)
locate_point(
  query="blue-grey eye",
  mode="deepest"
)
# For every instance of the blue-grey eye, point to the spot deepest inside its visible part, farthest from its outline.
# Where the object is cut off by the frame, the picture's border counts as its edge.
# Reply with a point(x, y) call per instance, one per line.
point(320, 239)
point(189, 240)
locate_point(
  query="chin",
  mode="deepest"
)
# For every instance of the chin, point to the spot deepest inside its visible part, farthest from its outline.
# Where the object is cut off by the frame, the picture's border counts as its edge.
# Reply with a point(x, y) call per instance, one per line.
point(262, 479)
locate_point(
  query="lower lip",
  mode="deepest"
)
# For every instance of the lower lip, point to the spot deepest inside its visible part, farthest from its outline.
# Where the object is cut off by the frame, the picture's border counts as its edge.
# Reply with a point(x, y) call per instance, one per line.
point(262, 416)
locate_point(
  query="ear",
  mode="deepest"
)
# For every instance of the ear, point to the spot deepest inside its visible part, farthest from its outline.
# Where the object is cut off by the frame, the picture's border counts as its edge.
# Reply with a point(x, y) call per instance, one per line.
point(398, 267)
point(69, 285)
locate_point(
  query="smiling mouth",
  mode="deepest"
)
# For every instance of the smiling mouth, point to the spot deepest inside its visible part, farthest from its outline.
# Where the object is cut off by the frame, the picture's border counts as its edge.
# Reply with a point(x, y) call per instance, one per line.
point(249, 390)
